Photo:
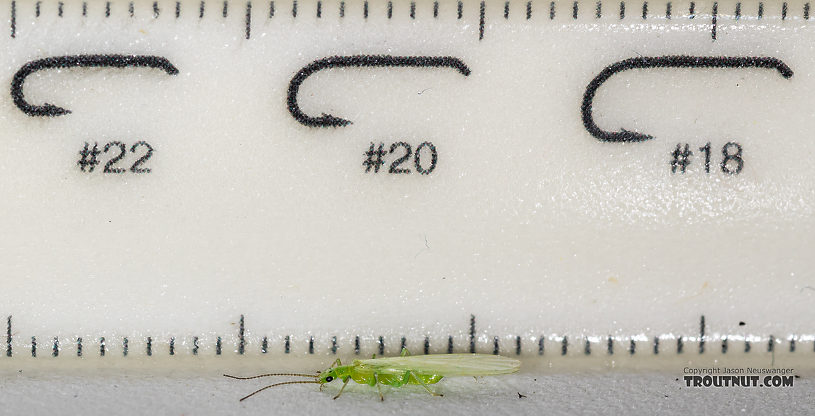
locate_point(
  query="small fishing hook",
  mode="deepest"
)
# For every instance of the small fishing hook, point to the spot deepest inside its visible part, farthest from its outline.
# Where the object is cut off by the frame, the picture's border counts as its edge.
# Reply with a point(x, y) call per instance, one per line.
point(85, 61)
point(676, 61)
point(328, 120)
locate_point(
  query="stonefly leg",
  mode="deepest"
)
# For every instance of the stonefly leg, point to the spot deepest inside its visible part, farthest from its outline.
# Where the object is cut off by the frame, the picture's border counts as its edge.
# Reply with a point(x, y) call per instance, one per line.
point(676, 61)
point(328, 120)
point(86, 61)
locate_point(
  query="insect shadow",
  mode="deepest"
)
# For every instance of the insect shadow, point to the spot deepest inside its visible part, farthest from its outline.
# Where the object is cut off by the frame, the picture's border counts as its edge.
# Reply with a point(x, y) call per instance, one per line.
point(421, 370)
point(72, 61)
point(328, 120)
point(676, 61)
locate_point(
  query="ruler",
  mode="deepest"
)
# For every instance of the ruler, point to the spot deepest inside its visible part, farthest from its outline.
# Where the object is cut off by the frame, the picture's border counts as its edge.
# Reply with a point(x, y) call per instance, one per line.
point(277, 178)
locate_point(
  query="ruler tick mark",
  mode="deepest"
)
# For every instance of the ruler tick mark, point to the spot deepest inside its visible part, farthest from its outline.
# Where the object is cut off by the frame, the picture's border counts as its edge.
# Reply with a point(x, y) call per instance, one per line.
point(495, 348)
point(248, 23)
point(342, 9)
point(149, 346)
point(738, 11)
point(784, 11)
point(632, 347)
point(218, 346)
point(413, 10)
point(435, 9)
point(472, 334)
point(8, 336)
point(449, 344)
point(656, 345)
point(319, 9)
point(107, 10)
point(356, 345)
point(241, 336)
point(622, 10)
point(644, 10)
point(460, 8)
point(131, 8)
point(714, 19)
point(692, 10)
point(79, 347)
point(806, 11)
point(194, 345)
point(311, 345)
point(481, 21)
point(702, 331)
point(334, 345)
point(668, 11)
point(177, 9)
point(201, 10)
point(598, 12)
point(155, 10)
point(60, 6)
point(294, 8)
point(426, 345)
point(55, 350)
point(506, 10)
point(564, 346)
point(13, 19)
point(574, 10)
point(271, 9)
point(610, 346)
point(390, 9)
point(172, 346)
point(528, 10)
point(37, 8)
point(287, 344)
point(84, 9)
point(102, 347)
point(125, 347)
point(225, 11)
point(540, 344)
point(587, 348)
point(381, 344)
point(34, 347)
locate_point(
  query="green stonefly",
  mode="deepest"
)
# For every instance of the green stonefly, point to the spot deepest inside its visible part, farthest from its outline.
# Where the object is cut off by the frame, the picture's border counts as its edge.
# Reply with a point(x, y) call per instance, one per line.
point(398, 371)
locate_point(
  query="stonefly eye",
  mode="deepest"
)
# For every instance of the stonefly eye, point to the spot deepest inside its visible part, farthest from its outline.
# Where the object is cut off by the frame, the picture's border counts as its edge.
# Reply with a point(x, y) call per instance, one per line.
point(329, 378)
point(328, 120)
point(679, 61)
point(85, 61)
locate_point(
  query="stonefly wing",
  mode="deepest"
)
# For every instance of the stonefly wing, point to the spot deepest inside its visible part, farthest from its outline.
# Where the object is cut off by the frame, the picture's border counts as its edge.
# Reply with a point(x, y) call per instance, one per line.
point(447, 364)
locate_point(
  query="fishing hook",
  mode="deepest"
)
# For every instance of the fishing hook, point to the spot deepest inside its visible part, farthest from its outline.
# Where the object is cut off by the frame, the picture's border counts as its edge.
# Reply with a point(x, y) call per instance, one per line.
point(328, 120)
point(675, 61)
point(85, 61)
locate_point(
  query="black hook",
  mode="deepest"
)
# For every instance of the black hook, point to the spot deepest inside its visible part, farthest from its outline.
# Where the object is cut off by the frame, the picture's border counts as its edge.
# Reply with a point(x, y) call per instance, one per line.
point(116, 61)
point(677, 61)
point(327, 120)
